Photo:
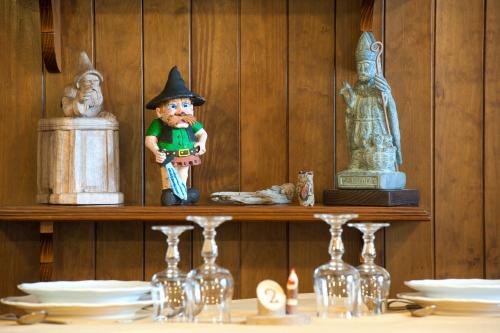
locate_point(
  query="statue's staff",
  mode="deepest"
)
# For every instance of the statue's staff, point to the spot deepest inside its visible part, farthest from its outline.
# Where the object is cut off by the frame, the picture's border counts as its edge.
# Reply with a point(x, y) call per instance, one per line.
point(379, 48)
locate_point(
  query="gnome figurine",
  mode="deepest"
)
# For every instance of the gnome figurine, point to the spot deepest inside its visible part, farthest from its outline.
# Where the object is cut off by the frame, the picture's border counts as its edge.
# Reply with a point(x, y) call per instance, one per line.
point(176, 139)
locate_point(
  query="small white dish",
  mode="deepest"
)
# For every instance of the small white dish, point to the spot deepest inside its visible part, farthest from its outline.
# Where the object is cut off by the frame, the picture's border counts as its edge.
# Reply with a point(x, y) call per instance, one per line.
point(89, 291)
point(119, 310)
point(458, 288)
point(454, 306)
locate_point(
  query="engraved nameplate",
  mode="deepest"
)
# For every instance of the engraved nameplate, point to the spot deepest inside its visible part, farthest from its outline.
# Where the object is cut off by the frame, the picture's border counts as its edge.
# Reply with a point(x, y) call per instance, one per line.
point(358, 181)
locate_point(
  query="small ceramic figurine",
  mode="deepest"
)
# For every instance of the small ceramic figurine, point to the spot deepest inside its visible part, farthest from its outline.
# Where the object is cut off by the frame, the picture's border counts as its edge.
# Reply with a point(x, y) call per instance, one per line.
point(305, 188)
point(292, 293)
point(372, 126)
point(176, 139)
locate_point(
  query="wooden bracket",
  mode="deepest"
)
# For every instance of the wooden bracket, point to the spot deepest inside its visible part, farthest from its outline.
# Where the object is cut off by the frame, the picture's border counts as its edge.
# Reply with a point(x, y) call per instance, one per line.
point(50, 19)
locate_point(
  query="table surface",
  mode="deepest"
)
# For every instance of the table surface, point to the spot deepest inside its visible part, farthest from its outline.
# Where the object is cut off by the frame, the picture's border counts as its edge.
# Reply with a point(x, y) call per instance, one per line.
point(387, 323)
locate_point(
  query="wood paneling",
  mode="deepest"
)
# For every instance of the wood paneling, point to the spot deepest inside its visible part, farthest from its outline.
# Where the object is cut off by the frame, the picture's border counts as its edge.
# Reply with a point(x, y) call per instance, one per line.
point(408, 58)
point(215, 31)
point(310, 121)
point(118, 43)
point(264, 133)
point(166, 44)
point(78, 240)
point(21, 101)
point(270, 71)
point(458, 142)
point(492, 141)
point(74, 251)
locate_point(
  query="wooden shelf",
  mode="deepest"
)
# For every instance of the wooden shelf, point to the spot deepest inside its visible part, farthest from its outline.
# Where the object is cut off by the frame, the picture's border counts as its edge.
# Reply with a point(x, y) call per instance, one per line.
point(179, 213)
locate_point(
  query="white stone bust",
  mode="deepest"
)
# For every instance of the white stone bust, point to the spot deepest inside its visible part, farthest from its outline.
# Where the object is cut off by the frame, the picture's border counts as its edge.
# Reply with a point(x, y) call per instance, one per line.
point(84, 97)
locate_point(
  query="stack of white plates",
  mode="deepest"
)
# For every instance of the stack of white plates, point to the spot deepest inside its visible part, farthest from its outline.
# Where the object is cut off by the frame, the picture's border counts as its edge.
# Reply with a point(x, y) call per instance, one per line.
point(457, 296)
point(92, 299)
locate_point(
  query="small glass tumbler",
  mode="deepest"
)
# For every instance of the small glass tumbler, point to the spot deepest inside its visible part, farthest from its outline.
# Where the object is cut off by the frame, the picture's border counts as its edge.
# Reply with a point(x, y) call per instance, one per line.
point(375, 281)
point(168, 286)
point(210, 287)
point(336, 283)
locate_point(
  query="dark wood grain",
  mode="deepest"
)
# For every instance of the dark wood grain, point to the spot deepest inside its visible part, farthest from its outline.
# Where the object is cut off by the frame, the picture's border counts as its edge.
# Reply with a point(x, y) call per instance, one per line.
point(371, 197)
point(263, 132)
point(310, 121)
point(366, 20)
point(20, 257)
point(492, 142)
point(118, 34)
point(409, 71)
point(179, 213)
point(166, 44)
point(20, 97)
point(215, 31)
point(76, 240)
point(458, 170)
point(50, 19)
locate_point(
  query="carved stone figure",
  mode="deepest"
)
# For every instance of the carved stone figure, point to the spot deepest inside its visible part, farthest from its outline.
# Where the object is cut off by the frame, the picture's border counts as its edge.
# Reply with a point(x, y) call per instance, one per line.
point(176, 139)
point(372, 127)
point(277, 194)
point(84, 97)
point(78, 158)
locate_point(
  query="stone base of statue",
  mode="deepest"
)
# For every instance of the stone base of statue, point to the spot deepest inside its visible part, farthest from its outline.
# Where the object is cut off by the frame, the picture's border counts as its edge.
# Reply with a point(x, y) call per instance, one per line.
point(363, 179)
point(78, 161)
point(405, 197)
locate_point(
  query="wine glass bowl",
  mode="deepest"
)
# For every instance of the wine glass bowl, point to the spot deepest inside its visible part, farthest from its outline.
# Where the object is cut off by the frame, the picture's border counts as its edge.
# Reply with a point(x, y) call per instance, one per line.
point(336, 283)
point(169, 286)
point(210, 287)
point(375, 280)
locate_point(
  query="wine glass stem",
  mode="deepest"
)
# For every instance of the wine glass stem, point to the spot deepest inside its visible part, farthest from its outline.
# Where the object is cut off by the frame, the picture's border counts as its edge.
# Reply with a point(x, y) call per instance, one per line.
point(368, 254)
point(336, 246)
point(172, 256)
point(209, 249)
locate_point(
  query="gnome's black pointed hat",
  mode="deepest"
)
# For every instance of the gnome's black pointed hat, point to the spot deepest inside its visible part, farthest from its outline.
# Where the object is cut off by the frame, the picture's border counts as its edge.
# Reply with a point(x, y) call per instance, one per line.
point(175, 88)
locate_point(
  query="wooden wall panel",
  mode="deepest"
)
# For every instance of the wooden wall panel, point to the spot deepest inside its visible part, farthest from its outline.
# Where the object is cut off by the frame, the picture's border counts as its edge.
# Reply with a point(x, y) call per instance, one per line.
point(408, 70)
point(492, 141)
point(459, 133)
point(215, 31)
point(74, 251)
point(118, 31)
point(310, 117)
point(20, 97)
point(166, 44)
point(264, 136)
point(76, 240)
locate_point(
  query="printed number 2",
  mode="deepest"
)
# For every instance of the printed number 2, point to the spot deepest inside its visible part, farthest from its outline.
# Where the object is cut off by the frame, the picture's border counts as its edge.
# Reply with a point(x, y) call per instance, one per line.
point(272, 293)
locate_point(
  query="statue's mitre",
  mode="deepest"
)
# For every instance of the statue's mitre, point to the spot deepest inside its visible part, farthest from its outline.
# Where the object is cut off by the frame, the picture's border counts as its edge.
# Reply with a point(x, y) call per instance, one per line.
point(363, 50)
point(85, 67)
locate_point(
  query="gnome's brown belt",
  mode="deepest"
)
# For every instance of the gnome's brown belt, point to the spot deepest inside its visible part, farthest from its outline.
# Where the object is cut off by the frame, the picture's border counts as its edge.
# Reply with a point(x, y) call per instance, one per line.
point(180, 152)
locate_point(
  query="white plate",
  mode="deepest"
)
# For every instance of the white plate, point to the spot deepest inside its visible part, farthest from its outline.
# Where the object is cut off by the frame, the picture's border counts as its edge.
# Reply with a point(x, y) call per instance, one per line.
point(78, 310)
point(456, 307)
point(90, 291)
point(458, 288)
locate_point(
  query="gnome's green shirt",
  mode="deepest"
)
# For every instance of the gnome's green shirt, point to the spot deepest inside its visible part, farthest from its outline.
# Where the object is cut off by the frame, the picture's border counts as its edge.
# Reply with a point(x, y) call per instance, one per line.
point(180, 137)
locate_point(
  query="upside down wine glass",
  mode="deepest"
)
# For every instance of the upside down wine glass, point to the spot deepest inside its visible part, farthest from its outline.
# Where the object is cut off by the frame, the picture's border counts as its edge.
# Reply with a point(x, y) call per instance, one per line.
point(375, 281)
point(168, 286)
point(336, 283)
point(210, 287)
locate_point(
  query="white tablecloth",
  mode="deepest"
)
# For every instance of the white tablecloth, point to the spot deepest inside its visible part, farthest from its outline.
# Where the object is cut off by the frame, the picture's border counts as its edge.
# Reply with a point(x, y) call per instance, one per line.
point(387, 323)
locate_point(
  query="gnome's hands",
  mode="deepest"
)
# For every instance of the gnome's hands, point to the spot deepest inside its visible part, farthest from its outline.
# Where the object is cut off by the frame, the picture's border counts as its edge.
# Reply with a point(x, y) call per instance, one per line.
point(159, 156)
point(200, 147)
point(381, 84)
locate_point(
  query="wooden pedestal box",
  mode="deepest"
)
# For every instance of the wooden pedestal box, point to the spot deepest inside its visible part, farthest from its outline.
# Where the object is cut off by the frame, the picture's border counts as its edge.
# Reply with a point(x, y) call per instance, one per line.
point(78, 161)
